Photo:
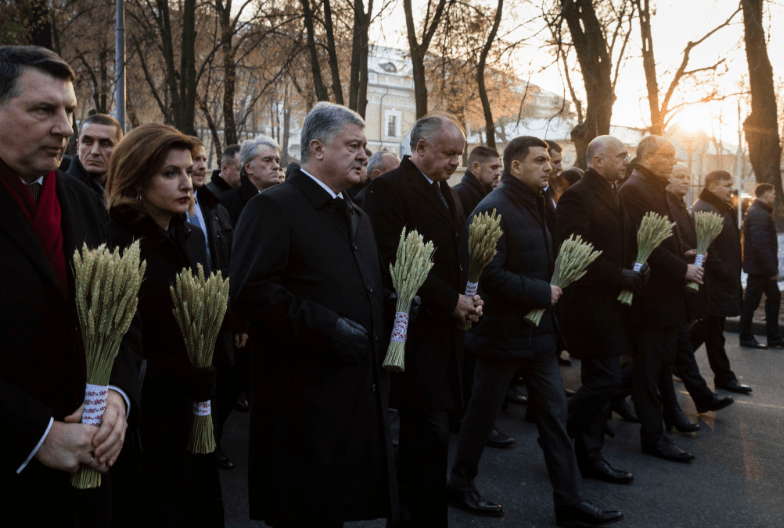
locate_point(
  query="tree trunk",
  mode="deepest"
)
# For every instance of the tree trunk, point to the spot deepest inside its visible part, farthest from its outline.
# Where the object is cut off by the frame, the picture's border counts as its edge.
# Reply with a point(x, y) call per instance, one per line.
point(187, 110)
point(284, 144)
point(419, 50)
point(649, 66)
point(229, 72)
point(596, 66)
point(334, 65)
point(480, 77)
point(40, 24)
point(761, 127)
point(318, 80)
point(211, 124)
point(357, 98)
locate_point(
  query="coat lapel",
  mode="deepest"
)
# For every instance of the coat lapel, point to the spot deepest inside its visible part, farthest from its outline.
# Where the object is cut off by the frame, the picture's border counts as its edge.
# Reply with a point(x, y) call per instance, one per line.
point(603, 191)
point(418, 182)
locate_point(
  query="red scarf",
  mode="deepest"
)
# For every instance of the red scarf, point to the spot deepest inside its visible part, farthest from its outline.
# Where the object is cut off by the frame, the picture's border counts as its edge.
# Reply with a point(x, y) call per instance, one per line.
point(43, 217)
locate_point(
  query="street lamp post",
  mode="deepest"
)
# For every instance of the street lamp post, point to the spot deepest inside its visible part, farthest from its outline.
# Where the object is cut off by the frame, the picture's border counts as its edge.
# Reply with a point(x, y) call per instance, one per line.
point(119, 63)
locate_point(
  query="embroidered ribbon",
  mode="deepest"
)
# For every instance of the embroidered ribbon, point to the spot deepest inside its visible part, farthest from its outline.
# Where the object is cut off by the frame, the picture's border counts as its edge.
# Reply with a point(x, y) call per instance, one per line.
point(699, 259)
point(471, 289)
point(638, 266)
point(94, 404)
point(400, 329)
point(202, 408)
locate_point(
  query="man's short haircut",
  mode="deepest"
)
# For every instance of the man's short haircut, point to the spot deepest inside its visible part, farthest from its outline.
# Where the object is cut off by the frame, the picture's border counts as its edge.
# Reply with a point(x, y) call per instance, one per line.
point(648, 144)
point(716, 176)
point(571, 175)
point(763, 188)
point(323, 123)
point(481, 154)
point(554, 147)
point(518, 149)
point(376, 161)
point(250, 148)
point(199, 144)
point(229, 156)
point(428, 127)
point(15, 59)
point(102, 119)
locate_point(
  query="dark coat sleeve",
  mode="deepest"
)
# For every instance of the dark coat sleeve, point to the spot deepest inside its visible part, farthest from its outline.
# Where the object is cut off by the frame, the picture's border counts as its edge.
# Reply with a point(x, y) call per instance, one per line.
point(761, 230)
point(260, 257)
point(30, 418)
point(386, 209)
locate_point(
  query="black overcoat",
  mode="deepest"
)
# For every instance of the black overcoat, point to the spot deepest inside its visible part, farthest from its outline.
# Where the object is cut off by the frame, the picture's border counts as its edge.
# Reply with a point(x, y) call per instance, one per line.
point(217, 185)
point(723, 265)
point(234, 200)
point(761, 245)
point(593, 321)
point(663, 300)
point(517, 280)
point(42, 362)
point(695, 301)
point(434, 349)
point(320, 447)
point(470, 191)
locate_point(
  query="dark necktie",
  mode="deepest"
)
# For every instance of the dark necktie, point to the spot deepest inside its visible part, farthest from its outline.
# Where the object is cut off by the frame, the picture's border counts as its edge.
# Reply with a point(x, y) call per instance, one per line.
point(346, 212)
point(437, 187)
point(35, 190)
point(616, 198)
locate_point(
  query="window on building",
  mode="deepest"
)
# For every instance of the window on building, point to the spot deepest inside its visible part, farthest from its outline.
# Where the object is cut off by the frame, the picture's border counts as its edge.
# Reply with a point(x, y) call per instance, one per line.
point(392, 125)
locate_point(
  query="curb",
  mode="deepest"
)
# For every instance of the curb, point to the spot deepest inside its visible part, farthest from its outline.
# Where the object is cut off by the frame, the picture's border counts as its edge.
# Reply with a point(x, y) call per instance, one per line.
point(758, 327)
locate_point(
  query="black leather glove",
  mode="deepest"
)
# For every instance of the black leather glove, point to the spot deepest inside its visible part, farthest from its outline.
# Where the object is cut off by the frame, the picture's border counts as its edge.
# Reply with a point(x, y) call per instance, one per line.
point(200, 383)
point(349, 341)
point(416, 303)
point(646, 273)
point(632, 280)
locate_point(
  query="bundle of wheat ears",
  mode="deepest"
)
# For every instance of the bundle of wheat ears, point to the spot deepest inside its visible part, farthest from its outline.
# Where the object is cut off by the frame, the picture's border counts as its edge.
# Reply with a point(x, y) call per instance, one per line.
point(412, 264)
point(199, 307)
point(107, 287)
point(483, 235)
point(654, 229)
point(574, 257)
point(708, 226)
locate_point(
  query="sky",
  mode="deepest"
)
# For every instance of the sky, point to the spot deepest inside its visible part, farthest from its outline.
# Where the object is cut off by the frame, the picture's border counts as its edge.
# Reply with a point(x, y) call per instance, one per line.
point(674, 24)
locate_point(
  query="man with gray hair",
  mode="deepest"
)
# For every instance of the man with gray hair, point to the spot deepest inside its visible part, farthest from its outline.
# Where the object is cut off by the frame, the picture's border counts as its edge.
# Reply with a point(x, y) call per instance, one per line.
point(416, 196)
point(307, 276)
point(260, 161)
point(378, 164)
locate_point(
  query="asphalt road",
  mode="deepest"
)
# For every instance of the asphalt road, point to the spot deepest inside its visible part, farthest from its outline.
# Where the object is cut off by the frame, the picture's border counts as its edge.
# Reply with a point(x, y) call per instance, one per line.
point(737, 479)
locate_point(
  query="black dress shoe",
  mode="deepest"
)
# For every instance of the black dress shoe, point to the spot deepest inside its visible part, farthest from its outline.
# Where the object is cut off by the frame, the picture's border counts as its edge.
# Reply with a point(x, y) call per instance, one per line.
point(674, 417)
point(472, 502)
point(223, 460)
point(242, 404)
point(564, 362)
point(751, 343)
point(499, 439)
point(602, 470)
point(734, 386)
point(585, 514)
point(664, 448)
point(513, 396)
point(714, 404)
point(622, 409)
point(776, 343)
point(568, 393)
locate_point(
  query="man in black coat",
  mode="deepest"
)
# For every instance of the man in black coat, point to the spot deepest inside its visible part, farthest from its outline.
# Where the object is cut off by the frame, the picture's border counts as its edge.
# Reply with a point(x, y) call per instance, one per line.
point(260, 159)
point(515, 282)
point(228, 176)
point(661, 307)
point(378, 164)
point(761, 262)
point(685, 366)
point(306, 274)
point(416, 196)
point(46, 216)
point(483, 166)
point(597, 327)
point(99, 135)
point(723, 267)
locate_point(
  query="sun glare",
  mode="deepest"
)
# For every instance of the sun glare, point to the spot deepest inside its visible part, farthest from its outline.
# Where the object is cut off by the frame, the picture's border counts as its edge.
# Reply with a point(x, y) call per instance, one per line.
point(694, 119)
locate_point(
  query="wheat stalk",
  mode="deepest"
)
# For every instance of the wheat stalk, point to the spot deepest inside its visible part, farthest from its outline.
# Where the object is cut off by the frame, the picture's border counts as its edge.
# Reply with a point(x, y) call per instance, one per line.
point(654, 229)
point(708, 226)
point(483, 235)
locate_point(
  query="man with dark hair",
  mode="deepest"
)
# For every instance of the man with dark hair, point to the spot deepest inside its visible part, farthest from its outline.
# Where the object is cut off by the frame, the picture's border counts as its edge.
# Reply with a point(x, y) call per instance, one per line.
point(307, 275)
point(45, 215)
point(515, 282)
point(597, 327)
point(228, 176)
point(99, 135)
point(483, 166)
point(761, 262)
point(416, 196)
point(724, 289)
point(661, 307)
point(556, 159)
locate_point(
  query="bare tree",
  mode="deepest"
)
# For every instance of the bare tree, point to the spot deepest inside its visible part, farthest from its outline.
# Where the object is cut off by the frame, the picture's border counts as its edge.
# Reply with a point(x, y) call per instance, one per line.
point(358, 79)
point(480, 77)
point(418, 49)
point(318, 79)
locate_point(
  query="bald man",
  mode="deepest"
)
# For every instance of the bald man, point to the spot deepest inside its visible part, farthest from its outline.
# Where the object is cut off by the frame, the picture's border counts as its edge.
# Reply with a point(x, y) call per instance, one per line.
point(660, 309)
point(597, 327)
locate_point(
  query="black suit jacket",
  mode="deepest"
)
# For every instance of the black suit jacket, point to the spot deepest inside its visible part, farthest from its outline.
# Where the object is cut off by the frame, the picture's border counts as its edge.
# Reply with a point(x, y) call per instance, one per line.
point(42, 362)
point(321, 452)
point(234, 200)
point(471, 191)
point(663, 301)
point(594, 322)
point(434, 349)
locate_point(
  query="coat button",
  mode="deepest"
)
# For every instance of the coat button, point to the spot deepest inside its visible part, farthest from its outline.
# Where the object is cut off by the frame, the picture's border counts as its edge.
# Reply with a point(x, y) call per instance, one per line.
point(354, 246)
point(375, 336)
point(369, 288)
point(373, 388)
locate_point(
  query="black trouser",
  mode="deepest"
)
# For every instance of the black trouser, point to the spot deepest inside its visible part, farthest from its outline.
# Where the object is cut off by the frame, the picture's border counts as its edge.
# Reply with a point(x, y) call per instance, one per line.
point(689, 371)
point(756, 285)
point(422, 466)
point(656, 350)
point(590, 407)
point(711, 332)
point(543, 378)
